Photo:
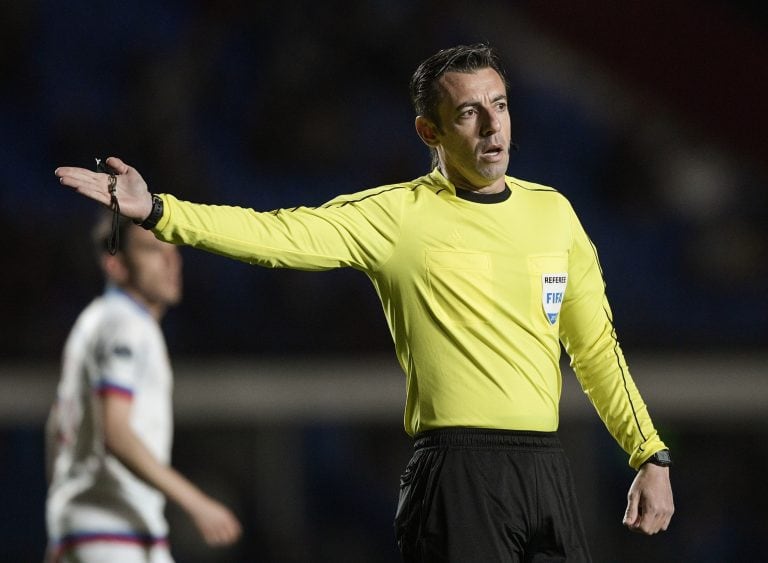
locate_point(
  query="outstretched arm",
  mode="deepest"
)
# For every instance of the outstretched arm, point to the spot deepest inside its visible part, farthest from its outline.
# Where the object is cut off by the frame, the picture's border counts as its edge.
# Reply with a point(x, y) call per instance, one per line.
point(132, 192)
point(649, 502)
point(216, 523)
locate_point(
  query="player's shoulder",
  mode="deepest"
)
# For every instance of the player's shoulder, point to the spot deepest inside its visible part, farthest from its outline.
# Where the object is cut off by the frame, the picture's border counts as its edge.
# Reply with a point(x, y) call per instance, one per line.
point(378, 193)
point(539, 193)
point(103, 320)
point(116, 311)
point(530, 187)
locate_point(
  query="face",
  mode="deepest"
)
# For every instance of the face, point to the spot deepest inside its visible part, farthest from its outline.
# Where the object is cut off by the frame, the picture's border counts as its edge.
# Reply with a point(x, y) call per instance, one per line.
point(473, 139)
point(152, 270)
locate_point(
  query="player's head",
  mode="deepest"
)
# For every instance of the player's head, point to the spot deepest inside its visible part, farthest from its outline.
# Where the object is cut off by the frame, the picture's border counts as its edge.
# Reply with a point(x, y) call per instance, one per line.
point(144, 267)
point(459, 95)
point(425, 91)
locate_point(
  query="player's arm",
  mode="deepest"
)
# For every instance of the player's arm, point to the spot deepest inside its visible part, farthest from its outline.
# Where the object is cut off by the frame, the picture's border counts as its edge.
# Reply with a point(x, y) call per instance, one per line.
point(216, 523)
point(360, 235)
point(353, 233)
point(590, 339)
point(51, 441)
point(589, 336)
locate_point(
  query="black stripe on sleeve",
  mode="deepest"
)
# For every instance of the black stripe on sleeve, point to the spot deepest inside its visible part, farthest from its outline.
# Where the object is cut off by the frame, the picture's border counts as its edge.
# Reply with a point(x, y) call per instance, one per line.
point(616, 344)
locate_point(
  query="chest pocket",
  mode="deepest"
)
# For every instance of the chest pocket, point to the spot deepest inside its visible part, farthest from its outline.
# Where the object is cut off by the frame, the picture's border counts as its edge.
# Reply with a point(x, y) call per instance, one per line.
point(460, 286)
point(548, 275)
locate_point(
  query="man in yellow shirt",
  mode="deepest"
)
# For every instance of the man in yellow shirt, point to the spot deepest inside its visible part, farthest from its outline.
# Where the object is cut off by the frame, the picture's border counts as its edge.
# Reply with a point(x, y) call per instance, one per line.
point(481, 276)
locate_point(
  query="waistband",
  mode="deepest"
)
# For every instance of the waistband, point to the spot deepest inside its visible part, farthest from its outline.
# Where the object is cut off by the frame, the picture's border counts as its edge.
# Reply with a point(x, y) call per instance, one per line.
point(486, 438)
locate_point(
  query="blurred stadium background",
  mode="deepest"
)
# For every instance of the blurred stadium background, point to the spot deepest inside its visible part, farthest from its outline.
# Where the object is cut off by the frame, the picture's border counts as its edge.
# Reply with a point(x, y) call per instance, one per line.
point(651, 117)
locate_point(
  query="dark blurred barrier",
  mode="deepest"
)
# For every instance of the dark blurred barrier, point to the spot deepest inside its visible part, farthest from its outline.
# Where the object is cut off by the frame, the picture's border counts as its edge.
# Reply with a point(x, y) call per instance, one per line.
point(309, 454)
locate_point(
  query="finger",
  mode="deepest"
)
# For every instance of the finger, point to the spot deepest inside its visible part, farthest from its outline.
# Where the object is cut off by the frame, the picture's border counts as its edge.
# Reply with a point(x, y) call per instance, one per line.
point(84, 181)
point(236, 532)
point(654, 522)
point(211, 535)
point(222, 537)
point(648, 525)
point(117, 165)
point(666, 520)
point(630, 515)
point(231, 532)
point(73, 172)
point(223, 533)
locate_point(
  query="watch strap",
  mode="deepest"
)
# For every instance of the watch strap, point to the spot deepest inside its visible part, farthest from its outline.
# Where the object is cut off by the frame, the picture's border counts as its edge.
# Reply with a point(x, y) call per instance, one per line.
point(660, 458)
point(154, 215)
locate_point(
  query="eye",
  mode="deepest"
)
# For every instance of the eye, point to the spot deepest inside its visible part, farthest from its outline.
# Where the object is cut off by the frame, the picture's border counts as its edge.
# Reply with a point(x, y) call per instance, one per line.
point(501, 107)
point(469, 112)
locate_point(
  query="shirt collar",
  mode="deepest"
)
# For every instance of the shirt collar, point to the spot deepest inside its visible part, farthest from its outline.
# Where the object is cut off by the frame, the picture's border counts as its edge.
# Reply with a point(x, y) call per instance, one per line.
point(437, 179)
point(113, 290)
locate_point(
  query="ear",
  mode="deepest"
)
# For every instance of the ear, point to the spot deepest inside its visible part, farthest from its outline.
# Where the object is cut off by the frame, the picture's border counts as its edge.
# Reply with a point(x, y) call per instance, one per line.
point(115, 268)
point(427, 131)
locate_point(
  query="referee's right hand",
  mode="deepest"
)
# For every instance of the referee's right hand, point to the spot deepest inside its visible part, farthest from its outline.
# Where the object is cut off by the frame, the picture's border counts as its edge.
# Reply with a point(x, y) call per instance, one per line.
point(132, 192)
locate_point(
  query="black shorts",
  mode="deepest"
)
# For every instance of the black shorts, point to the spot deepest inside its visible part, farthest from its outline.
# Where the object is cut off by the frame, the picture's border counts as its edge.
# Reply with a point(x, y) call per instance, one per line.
point(493, 496)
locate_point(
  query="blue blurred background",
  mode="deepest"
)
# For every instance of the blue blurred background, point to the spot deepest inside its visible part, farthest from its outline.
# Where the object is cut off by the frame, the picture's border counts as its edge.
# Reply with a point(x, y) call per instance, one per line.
point(650, 117)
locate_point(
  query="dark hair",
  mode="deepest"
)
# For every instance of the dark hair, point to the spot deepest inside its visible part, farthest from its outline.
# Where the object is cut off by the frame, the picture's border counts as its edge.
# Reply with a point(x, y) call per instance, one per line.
point(102, 232)
point(425, 94)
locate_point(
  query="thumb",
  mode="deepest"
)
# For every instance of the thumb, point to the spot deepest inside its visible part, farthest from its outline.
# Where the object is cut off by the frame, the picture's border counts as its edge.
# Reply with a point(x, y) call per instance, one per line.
point(631, 514)
point(117, 165)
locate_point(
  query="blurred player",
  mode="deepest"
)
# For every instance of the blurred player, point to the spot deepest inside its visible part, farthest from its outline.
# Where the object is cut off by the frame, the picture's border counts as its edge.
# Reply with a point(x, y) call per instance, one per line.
point(482, 277)
point(110, 430)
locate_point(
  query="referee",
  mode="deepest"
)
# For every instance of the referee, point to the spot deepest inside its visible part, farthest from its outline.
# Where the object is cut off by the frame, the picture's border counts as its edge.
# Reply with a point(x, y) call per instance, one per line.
point(481, 276)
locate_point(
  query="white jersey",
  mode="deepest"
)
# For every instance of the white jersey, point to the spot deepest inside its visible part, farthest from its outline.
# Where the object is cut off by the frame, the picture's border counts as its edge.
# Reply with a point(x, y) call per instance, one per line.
point(116, 346)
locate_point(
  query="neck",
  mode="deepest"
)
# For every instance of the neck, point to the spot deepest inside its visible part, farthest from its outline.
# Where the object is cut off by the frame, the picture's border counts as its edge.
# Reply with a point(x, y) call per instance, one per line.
point(495, 186)
point(156, 310)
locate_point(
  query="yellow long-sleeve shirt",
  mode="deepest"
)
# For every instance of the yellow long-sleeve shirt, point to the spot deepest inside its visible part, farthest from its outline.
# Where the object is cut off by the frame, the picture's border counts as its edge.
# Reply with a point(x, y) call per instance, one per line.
point(478, 296)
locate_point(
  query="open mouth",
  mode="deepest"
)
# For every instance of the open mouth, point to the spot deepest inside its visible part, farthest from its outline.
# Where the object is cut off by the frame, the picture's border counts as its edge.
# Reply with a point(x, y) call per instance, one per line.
point(493, 151)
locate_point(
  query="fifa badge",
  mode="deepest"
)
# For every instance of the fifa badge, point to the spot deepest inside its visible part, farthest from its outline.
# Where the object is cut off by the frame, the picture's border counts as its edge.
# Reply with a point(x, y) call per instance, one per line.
point(552, 294)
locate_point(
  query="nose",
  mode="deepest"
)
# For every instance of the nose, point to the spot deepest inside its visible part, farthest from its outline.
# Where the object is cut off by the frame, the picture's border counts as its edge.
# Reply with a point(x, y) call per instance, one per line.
point(490, 124)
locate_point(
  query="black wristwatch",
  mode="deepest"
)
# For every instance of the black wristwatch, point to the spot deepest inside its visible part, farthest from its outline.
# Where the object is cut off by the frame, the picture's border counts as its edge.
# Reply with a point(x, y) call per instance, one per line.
point(661, 458)
point(154, 215)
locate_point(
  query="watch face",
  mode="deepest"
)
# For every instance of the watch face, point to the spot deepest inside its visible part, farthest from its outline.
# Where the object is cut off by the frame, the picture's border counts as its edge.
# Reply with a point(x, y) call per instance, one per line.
point(661, 458)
